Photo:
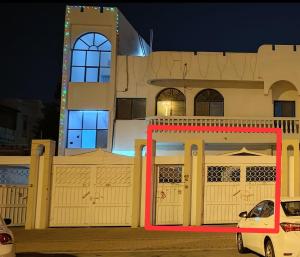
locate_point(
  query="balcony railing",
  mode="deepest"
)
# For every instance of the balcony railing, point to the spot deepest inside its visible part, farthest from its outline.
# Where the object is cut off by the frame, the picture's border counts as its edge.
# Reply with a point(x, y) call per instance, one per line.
point(288, 125)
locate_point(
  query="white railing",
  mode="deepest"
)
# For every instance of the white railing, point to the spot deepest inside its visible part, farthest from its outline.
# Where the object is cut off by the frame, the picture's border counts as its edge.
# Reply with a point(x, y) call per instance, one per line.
point(288, 125)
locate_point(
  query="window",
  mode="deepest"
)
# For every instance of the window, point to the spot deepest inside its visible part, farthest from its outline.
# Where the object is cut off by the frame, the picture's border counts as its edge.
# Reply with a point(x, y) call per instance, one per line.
point(170, 102)
point(284, 108)
point(91, 59)
point(256, 211)
point(131, 108)
point(209, 102)
point(291, 208)
point(268, 209)
point(87, 129)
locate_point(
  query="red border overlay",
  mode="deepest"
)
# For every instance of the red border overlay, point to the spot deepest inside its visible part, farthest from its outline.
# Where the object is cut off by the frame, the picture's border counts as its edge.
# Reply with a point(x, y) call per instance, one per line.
point(204, 228)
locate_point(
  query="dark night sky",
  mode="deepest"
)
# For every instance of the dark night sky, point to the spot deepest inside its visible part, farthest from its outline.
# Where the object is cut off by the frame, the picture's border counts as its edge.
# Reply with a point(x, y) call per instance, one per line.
point(32, 35)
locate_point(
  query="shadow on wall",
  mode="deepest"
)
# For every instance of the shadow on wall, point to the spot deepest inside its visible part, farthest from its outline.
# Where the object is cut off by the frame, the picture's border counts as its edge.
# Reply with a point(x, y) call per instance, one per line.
point(44, 255)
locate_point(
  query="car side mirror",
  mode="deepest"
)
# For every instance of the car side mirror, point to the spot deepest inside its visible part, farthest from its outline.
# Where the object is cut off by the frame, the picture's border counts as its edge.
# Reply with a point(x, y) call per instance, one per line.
point(7, 221)
point(243, 214)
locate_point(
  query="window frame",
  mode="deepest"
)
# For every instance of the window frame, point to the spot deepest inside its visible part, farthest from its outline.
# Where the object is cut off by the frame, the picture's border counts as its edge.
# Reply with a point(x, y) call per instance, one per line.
point(209, 102)
point(86, 67)
point(181, 94)
point(83, 129)
point(131, 107)
point(284, 101)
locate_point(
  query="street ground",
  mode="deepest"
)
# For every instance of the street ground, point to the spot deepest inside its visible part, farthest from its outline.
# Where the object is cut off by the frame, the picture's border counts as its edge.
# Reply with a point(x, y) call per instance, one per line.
point(122, 242)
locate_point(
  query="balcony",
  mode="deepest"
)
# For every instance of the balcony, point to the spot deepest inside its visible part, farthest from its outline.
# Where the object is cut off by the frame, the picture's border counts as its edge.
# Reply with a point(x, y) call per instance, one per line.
point(289, 126)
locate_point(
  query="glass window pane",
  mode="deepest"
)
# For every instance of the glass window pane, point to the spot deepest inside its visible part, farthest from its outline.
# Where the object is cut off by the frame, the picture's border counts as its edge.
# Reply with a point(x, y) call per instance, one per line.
point(102, 120)
point(164, 108)
point(202, 109)
point(77, 74)
point(92, 58)
point(88, 39)
point(89, 119)
point(99, 39)
point(74, 139)
point(104, 75)
point(75, 120)
point(106, 46)
point(123, 109)
point(81, 45)
point(105, 58)
point(78, 58)
point(102, 138)
point(216, 109)
point(138, 108)
point(178, 108)
point(91, 74)
point(88, 138)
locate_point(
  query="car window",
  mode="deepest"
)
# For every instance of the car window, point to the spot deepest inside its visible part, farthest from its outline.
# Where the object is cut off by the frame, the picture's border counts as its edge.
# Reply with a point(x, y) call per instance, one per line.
point(268, 209)
point(256, 211)
point(291, 208)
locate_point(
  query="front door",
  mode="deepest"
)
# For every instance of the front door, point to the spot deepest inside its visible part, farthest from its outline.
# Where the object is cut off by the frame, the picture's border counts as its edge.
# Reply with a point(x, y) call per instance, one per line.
point(169, 195)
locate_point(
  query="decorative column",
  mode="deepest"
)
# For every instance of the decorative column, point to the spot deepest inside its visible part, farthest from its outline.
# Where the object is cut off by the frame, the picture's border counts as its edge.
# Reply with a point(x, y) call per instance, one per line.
point(187, 183)
point(38, 148)
point(137, 183)
point(199, 185)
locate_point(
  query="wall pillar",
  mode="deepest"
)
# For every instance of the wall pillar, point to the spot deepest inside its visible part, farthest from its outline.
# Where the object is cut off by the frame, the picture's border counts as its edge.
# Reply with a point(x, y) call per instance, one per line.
point(187, 183)
point(38, 147)
point(137, 183)
point(45, 186)
point(199, 186)
point(285, 176)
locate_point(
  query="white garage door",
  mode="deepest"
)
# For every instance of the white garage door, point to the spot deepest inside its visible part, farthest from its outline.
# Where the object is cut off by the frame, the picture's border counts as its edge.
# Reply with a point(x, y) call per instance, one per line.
point(231, 189)
point(91, 195)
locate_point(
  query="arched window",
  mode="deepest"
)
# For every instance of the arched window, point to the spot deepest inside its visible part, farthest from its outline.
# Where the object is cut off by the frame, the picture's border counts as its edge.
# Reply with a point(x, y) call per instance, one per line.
point(170, 102)
point(91, 58)
point(209, 102)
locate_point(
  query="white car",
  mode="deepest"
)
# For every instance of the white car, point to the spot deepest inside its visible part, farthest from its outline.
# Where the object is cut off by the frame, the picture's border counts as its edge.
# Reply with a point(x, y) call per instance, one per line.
point(284, 243)
point(7, 246)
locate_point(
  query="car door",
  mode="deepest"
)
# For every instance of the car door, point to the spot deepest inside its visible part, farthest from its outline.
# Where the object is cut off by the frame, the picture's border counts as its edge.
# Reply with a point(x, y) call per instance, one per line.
point(253, 220)
point(265, 220)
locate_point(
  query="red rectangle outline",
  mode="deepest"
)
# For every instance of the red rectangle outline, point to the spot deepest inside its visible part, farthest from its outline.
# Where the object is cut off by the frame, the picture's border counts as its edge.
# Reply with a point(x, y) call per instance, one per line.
point(148, 225)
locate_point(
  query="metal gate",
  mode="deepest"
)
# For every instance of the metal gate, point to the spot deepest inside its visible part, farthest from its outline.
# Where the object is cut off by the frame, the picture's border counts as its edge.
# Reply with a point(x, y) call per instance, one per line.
point(169, 195)
point(91, 195)
point(13, 193)
point(231, 189)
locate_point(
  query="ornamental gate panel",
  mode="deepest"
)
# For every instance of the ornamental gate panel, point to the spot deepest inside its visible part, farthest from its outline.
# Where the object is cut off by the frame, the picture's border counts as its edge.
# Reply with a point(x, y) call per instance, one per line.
point(13, 193)
point(91, 195)
point(231, 189)
point(169, 195)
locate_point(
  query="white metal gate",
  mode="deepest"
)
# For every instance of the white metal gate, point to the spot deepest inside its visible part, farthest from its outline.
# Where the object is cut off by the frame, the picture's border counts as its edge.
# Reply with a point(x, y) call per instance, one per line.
point(91, 195)
point(232, 188)
point(13, 193)
point(169, 195)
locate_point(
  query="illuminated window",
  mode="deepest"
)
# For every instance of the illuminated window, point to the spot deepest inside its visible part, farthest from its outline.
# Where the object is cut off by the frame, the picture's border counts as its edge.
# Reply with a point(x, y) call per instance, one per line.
point(170, 102)
point(87, 129)
point(91, 59)
point(209, 102)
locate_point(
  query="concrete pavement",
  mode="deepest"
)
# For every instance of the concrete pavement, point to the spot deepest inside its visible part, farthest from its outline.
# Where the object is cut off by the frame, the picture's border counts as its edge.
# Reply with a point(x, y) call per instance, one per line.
point(117, 239)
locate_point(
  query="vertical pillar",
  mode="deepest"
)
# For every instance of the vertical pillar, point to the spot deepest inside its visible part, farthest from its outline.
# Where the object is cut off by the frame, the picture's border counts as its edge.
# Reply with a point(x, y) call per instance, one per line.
point(45, 186)
point(285, 167)
point(199, 186)
point(36, 148)
point(187, 183)
point(34, 173)
point(153, 184)
point(136, 183)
